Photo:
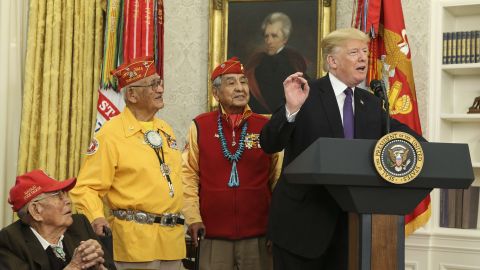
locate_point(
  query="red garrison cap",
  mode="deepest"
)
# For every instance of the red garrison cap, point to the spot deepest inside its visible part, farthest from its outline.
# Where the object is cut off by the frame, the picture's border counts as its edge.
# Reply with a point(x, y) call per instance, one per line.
point(231, 66)
point(135, 70)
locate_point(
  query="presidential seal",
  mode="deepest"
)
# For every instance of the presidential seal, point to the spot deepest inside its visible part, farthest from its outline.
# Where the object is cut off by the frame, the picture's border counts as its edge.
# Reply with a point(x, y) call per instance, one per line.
point(398, 157)
point(153, 139)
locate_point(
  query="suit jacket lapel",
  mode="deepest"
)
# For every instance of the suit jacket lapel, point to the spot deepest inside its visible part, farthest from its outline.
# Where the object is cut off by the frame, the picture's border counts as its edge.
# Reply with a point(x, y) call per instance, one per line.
point(330, 104)
point(38, 253)
point(361, 115)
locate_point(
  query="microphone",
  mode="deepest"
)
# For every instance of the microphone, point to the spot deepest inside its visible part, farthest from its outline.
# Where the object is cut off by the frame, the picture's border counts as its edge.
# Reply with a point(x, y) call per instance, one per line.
point(378, 88)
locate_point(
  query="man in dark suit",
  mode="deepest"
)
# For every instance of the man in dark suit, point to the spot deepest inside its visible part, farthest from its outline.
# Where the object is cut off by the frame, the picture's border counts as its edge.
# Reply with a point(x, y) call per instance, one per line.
point(307, 227)
point(48, 236)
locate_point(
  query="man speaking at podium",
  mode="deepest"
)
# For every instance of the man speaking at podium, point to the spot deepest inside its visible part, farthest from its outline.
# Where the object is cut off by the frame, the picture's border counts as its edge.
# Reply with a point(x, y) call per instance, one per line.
point(307, 227)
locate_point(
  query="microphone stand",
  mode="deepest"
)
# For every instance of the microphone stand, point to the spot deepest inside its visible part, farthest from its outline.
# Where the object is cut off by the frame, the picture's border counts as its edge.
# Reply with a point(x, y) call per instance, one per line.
point(387, 107)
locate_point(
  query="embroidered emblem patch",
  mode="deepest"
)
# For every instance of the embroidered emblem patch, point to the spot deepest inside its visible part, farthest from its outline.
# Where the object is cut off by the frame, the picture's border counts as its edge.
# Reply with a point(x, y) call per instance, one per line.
point(92, 149)
point(252, 140)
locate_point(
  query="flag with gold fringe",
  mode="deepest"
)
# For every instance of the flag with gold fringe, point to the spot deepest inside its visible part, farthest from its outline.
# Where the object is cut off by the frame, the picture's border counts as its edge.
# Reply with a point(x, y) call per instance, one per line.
point(133, 28)
point(390, 60)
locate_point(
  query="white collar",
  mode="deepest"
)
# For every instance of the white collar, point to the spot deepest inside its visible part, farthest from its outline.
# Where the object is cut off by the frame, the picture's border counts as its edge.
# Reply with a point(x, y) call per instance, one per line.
point(338, 86)
point(279, 50)
point(45, 243)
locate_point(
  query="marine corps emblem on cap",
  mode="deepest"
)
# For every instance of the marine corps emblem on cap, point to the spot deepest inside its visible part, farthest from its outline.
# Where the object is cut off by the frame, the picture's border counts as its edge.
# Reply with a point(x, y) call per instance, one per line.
point(398, 157)
point(231, 66)
point(135, 70)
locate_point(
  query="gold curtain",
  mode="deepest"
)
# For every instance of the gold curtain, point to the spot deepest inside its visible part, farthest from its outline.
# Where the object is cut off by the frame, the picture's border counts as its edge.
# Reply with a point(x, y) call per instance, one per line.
point(62, 70)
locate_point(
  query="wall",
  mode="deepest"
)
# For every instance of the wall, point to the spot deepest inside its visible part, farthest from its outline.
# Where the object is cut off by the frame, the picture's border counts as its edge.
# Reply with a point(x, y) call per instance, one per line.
point(186, 59)
point(186, 52)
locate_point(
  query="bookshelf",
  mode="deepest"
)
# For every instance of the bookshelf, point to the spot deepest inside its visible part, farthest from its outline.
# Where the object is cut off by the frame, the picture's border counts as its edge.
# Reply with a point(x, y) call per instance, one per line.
point(453, 89)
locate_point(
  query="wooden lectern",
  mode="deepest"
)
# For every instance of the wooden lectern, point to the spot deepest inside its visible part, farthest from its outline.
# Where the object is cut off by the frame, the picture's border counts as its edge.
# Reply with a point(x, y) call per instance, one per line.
point(376, 207)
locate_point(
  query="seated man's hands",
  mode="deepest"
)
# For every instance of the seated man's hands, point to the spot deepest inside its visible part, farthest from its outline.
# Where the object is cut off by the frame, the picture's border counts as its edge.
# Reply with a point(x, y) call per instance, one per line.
point(88, 254)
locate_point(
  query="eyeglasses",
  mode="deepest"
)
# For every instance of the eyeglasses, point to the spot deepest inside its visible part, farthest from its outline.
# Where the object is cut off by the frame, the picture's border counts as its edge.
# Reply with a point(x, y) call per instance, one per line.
point(59, 194)
point(154, 85)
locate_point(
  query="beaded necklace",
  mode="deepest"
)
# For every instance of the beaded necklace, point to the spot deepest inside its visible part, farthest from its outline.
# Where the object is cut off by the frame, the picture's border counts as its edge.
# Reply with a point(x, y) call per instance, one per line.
point(234, 180)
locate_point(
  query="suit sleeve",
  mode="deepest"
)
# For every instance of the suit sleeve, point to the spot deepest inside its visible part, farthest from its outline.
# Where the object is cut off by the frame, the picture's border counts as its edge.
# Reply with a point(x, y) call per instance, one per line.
point(276, 133)
point(8, 260)
point(9, 252)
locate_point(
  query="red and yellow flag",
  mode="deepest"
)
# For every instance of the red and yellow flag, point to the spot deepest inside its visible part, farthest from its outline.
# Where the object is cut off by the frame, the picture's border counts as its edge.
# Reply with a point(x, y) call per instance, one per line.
point(390, 60)
point(134, 28)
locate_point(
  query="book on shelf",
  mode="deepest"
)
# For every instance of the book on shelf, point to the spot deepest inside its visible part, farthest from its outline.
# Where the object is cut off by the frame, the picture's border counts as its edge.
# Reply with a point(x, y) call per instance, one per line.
point(444, 208)
point(468, 42)
point(477, 46)
point(470, 208)
point(461, 47)
point(458, 207)
point(451, 208)
point(445, 46)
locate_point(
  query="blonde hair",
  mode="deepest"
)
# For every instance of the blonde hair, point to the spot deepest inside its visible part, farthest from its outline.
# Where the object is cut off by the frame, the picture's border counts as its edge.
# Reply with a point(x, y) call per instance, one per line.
point(336, 39)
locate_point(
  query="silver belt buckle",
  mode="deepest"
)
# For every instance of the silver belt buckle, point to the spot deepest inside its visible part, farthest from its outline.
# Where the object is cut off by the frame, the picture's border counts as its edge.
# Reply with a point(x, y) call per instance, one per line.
point(120, 214)
point(141, 217)
point(168, 220)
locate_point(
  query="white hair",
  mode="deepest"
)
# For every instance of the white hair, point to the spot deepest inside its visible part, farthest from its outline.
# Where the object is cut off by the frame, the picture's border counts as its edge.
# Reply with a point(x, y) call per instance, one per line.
point(279, 17)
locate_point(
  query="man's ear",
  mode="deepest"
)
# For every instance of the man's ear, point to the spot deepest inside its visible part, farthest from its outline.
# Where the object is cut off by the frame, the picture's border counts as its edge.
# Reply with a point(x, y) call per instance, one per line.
point(131, 95)
point(34, 209)
point(332, 62)
point(215, 93)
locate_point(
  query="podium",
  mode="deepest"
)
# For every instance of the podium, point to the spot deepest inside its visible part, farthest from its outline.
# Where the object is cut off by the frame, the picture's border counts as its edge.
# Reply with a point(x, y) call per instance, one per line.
point(376, 207)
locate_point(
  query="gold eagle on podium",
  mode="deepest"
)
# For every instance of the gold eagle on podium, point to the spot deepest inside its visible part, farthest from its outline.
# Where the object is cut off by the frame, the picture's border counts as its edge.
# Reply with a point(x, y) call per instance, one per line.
point(398, 156)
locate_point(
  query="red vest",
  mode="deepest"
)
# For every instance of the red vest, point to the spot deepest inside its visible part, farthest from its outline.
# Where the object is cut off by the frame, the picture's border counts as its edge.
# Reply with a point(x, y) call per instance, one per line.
point(238, 212)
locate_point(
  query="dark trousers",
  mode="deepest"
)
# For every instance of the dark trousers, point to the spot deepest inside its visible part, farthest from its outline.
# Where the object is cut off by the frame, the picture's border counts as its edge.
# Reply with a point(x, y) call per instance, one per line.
point(334, 258)
point(285, 260)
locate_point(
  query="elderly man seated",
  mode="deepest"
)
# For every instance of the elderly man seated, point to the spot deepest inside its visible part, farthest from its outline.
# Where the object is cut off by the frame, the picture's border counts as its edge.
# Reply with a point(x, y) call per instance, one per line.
point(48, 236)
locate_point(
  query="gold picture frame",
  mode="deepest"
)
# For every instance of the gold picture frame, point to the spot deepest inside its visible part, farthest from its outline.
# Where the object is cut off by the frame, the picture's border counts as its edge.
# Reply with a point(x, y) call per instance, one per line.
point(323, 14)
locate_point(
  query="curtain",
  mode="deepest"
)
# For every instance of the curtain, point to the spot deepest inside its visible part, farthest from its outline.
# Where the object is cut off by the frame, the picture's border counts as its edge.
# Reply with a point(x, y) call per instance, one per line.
point(62, 69)
point(13, 25)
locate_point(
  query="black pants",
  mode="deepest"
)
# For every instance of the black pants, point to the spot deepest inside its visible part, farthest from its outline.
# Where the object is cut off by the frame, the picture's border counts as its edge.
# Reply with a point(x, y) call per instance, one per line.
point(334, 258)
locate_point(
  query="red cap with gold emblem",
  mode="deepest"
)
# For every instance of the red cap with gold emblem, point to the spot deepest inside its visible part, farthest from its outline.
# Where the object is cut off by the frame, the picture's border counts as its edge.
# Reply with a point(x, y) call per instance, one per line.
point(231, 66)
point(135, 70)
point(34, 183)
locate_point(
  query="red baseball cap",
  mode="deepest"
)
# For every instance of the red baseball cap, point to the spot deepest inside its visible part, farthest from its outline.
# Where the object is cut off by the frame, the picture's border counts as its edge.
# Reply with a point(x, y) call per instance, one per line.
point(231, 66)
point(34, 183)
point(134, 70)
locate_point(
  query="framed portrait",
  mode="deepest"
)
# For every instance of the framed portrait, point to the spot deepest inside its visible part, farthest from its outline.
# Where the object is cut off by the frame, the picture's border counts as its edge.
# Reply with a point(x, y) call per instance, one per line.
point(273, 39)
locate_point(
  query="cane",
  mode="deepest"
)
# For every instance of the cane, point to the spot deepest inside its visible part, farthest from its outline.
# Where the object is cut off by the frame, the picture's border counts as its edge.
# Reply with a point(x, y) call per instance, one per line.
point(200, 234)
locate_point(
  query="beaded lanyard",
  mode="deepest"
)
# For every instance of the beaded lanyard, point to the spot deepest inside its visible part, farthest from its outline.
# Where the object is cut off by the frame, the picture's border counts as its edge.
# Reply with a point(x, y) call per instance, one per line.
point(157, 147)
point(234, 180)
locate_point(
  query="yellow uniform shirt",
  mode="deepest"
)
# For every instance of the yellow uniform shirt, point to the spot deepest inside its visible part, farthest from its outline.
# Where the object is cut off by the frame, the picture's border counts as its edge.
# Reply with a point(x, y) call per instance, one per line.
point(124, 171)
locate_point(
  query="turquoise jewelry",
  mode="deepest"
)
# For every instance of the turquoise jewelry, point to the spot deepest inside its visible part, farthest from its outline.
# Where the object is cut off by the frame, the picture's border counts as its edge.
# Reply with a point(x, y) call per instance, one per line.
point(58, 251)
point(234, 180)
